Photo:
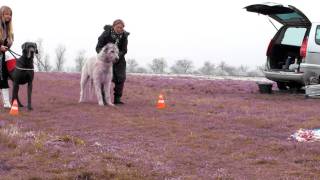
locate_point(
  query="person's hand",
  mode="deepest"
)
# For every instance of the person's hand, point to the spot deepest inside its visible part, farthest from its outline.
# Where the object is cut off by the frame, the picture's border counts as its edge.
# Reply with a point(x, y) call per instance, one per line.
point(3, 48)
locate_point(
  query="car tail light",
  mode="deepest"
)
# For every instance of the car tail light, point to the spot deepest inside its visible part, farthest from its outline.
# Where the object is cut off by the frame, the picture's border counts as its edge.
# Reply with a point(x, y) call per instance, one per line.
point(303, 49)
point(270, 47)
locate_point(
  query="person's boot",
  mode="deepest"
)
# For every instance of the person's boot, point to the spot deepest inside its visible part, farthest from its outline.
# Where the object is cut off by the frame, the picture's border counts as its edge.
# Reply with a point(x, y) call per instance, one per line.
point(117, 101)
point(6, 98)
point(118, 88)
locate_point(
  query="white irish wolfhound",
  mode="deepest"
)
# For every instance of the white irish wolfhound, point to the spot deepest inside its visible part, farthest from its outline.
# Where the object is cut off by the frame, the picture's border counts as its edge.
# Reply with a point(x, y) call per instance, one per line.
point(97, 71)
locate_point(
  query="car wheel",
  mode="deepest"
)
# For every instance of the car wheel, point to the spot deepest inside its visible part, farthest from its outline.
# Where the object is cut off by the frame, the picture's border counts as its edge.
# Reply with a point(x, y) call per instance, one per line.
point(282, 86)
point(295, 86)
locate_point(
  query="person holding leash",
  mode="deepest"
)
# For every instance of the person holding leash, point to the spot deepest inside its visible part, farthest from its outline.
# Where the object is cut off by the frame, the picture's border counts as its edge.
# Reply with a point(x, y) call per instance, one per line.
point(6, 40)
point(117, 35)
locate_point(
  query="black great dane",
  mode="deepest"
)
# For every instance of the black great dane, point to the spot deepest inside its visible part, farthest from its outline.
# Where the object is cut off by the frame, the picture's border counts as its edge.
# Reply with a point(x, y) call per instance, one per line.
point(24, 72)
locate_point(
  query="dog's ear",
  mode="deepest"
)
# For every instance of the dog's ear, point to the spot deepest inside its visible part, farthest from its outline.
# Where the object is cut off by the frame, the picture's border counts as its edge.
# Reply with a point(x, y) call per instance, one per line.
point(36, 48)
point(24, 48)
point(105, 48)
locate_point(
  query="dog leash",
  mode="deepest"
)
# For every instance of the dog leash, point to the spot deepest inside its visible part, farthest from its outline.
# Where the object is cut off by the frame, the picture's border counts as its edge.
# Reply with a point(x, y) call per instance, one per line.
point(24, 69)
point(12, 53)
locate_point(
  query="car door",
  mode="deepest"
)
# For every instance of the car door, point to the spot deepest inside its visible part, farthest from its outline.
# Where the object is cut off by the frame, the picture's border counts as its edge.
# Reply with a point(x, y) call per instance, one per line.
point(284, 14)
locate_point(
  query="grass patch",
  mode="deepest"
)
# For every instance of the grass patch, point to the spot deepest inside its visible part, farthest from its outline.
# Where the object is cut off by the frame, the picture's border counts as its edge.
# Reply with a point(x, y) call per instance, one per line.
point(8, 142)
point(85, 176)
point(71, 139)
point(9, 136)
point(311, 123)
point(35, 178)
point(10, 131)
point(40, 140)
point(117, 173)
point(256, 122)
point(277, 148)
point(270, 162)
point(245, 155)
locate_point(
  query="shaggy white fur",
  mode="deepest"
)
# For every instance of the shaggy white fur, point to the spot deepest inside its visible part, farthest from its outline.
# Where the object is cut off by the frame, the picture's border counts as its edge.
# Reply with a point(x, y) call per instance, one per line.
point(98, 70)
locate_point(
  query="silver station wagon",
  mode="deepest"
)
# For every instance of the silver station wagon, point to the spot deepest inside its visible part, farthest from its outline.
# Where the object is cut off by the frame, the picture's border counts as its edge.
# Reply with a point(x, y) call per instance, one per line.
point(293, 54)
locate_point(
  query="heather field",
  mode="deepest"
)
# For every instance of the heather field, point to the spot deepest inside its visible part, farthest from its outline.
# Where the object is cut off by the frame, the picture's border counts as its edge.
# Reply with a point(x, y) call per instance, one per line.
point(210, 129)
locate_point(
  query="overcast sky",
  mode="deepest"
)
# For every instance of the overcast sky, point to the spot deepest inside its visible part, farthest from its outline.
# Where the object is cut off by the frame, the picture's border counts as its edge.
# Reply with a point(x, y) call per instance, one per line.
point(197, 30)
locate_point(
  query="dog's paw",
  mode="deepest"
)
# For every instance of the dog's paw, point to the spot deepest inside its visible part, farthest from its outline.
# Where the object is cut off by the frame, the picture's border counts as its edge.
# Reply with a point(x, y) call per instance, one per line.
point(30, 108)
point(82, 100)
point(111, 105)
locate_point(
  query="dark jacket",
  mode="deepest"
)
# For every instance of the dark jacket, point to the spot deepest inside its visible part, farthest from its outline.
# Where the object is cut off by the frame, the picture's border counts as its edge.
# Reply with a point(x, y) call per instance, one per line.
point(106, 38)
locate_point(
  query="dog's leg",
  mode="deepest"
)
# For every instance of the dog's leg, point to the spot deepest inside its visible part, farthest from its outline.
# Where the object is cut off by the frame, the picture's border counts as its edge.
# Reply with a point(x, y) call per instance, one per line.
point(29, 96)
point(19, 103)
point(108, 90)
point(83, 82)
point(103, 95)
point(15, 95)
point(97, 86)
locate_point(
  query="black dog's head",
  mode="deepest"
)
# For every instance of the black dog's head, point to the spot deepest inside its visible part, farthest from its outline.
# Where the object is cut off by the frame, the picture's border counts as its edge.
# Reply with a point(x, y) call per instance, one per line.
point(29, 49)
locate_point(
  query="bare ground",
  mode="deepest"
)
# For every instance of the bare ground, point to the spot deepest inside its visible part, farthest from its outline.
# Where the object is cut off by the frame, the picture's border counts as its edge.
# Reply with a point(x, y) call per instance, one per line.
point(211, 129)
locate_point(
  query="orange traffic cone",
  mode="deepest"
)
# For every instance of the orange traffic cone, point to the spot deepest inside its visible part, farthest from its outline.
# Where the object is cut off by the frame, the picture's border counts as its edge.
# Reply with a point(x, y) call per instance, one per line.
point(161, 104)
point(14, 108)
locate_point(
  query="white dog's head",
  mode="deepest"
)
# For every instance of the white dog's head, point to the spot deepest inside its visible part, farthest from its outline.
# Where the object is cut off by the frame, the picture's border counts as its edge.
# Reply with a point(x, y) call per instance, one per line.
point(109, 53)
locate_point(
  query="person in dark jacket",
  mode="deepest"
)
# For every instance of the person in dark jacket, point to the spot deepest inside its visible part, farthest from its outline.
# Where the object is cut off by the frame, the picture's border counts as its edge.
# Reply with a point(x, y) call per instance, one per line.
point(117, 35)
point(6, 40)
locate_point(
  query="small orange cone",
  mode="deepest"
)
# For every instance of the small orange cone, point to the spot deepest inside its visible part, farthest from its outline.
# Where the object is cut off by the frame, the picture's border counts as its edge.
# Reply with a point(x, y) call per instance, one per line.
point(14, 108)
point(161, 104)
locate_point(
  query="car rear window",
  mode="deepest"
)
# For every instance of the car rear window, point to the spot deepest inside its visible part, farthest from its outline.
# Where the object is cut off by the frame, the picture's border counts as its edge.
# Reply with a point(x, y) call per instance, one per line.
point(294, 36)
point(318, 35)
point(289, 16)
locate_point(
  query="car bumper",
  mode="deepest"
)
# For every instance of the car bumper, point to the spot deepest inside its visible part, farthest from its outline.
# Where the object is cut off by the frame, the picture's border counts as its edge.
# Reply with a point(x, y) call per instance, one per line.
point(282, 76)
point(306, 67)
